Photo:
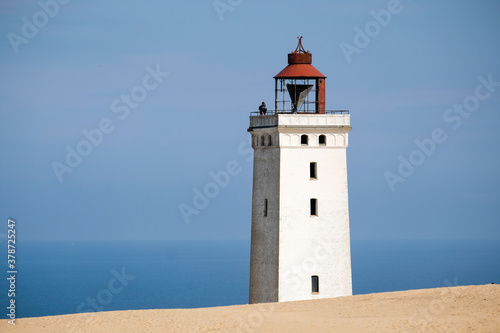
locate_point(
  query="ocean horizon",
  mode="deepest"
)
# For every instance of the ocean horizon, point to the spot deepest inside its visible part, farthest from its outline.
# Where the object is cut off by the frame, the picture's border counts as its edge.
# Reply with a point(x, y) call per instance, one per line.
point(64, 277)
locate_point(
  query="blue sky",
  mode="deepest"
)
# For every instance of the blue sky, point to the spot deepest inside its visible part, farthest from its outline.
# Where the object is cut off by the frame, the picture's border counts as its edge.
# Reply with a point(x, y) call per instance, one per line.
point(400, 86)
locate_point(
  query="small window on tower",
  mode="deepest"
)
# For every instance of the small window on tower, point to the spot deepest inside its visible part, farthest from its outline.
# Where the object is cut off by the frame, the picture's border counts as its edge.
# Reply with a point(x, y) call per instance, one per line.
point(322, 140)
point(265, 207)
point(270, 142)
point(315, 284)
point(262, 140)
point(314, 207)
point(313, 174)
point(304, 140)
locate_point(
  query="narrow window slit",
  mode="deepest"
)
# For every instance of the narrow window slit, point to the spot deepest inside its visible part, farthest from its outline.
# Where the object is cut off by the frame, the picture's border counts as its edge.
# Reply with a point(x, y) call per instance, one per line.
point(314, 207)
point(313, 171)
point(315, 284)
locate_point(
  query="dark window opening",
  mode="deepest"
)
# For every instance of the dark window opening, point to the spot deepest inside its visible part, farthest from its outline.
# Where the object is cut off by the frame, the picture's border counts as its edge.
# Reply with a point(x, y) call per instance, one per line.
point(262, 140)
point(304, 140)
point(265, 207)
point(315, 283)
point(269, 143)
point(313, 171)
point(322, 140)
point(314, 207)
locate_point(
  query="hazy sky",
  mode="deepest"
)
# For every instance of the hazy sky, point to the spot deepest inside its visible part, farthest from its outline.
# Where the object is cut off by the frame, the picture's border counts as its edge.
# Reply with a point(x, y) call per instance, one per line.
point(154, 97)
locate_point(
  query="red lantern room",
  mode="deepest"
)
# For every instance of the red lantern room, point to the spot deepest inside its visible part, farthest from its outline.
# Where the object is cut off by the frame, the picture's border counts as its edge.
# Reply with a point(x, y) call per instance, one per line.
point(300, 88)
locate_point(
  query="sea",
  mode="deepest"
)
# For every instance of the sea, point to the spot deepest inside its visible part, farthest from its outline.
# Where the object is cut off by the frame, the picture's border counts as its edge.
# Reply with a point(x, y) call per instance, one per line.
point(55, 278)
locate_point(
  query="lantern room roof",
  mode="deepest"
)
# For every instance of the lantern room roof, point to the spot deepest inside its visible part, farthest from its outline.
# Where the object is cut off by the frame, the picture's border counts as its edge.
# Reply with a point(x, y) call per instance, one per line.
point(299, 71)
point(299, 65)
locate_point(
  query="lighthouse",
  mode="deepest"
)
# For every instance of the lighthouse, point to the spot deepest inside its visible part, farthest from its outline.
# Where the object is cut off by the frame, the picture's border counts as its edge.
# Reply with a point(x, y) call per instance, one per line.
point(300, 242)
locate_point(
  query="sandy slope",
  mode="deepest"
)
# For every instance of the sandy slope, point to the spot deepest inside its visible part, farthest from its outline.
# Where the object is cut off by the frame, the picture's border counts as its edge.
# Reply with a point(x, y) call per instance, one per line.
point(456, 309)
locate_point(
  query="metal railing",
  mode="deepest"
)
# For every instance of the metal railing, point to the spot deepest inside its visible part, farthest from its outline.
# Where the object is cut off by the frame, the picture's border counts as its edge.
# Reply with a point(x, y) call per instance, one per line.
point(273, 112)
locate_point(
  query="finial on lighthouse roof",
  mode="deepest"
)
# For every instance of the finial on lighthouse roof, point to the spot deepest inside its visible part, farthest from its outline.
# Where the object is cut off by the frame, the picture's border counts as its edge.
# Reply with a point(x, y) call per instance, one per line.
point(300, 55)
point(300, 48)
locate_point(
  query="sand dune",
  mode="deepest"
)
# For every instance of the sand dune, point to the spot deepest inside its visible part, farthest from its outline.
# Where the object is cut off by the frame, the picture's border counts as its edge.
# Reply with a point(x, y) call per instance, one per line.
point(455, 309)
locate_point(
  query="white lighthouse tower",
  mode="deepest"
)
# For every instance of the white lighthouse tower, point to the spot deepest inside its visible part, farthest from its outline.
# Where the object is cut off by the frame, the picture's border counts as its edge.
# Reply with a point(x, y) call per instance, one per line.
point(300, 246)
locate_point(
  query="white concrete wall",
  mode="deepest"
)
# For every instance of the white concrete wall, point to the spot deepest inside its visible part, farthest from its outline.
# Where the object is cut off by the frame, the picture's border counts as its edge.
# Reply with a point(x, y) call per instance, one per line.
point(301, 120)
point(314, 245)
point(289, 246)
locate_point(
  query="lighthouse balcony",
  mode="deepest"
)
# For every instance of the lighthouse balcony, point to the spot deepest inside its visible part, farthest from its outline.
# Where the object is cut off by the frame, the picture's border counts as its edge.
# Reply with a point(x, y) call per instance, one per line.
point(340, 118)
point(273, 112)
